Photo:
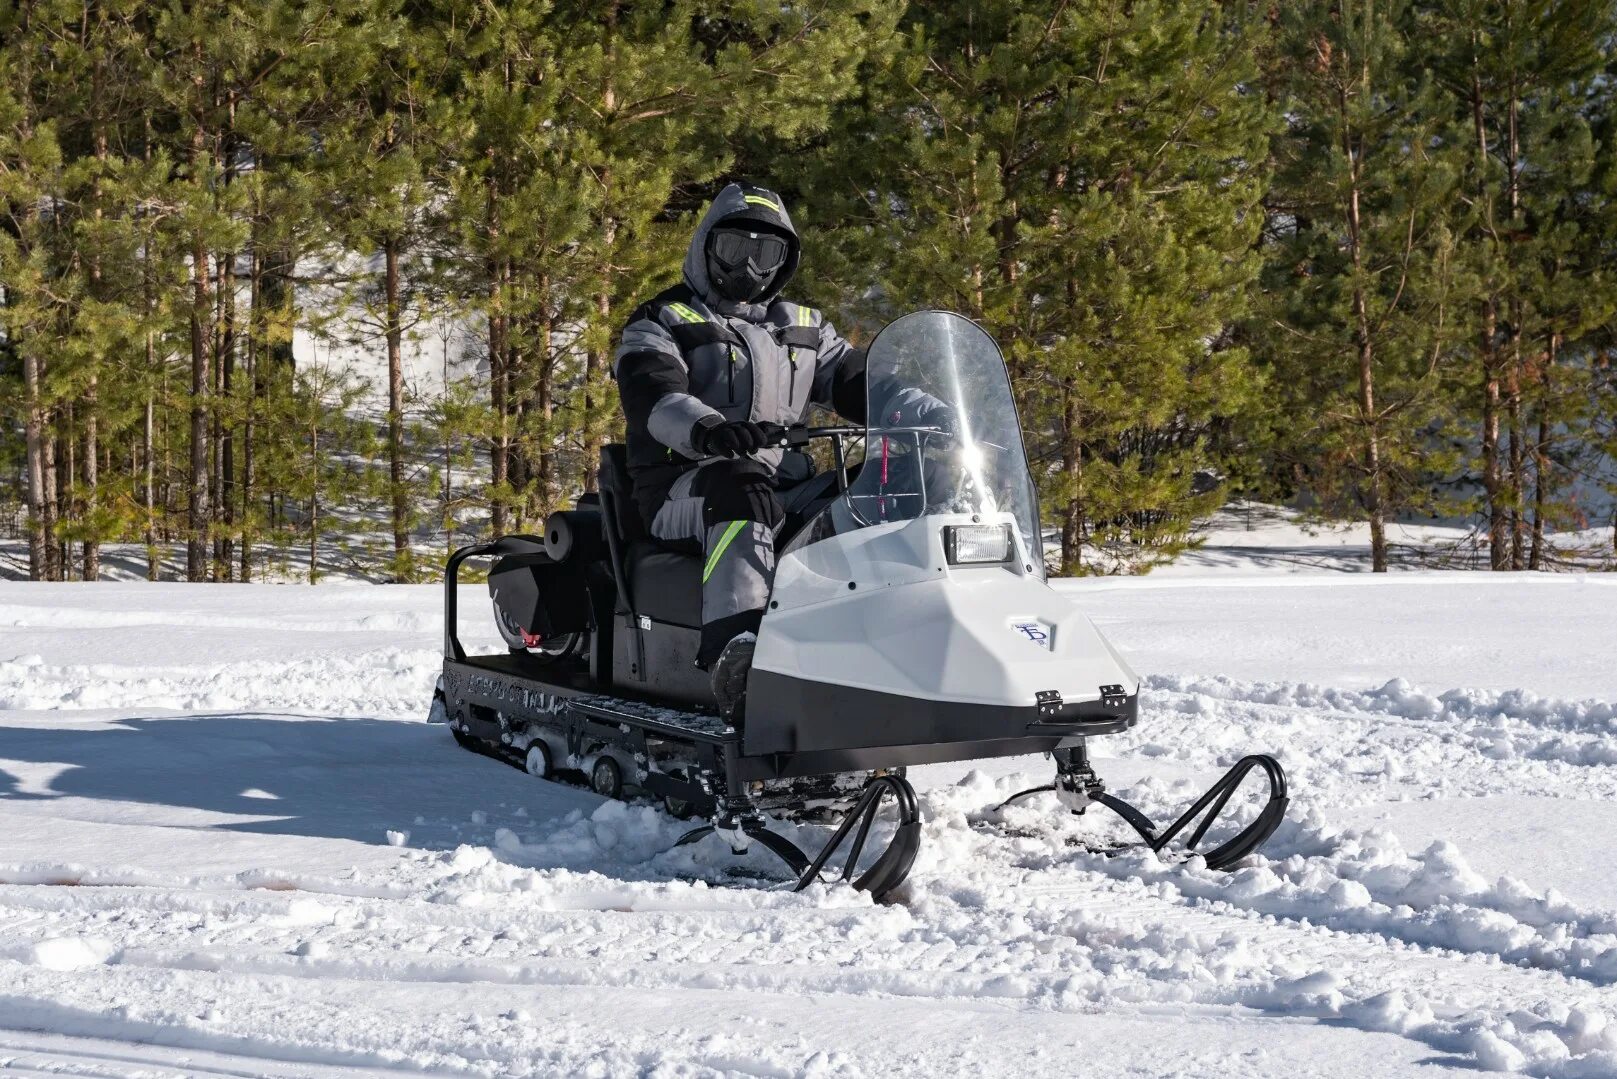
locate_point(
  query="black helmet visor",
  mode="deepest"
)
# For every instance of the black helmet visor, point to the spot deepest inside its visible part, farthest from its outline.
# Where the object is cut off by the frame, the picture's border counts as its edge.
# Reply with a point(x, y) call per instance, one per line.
point(734, 247)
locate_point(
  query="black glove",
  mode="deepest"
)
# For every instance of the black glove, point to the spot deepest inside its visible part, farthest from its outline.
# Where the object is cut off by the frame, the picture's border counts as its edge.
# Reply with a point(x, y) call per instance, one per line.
point(942, 417)
point(738, 438)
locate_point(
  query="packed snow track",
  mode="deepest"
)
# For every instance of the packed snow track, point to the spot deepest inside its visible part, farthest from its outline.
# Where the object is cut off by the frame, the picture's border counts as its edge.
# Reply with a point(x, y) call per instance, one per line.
point(231, 846)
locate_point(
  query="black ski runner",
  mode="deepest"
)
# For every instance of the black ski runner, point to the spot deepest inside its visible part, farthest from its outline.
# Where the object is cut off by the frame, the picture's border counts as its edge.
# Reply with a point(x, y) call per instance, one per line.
point(1077, 786)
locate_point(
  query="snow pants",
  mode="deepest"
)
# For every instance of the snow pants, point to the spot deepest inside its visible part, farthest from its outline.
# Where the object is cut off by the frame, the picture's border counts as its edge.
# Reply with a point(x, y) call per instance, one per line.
point(734, 510)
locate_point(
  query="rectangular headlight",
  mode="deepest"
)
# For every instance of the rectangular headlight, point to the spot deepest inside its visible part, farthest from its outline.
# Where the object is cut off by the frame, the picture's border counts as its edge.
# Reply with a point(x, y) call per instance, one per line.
point(974, 544)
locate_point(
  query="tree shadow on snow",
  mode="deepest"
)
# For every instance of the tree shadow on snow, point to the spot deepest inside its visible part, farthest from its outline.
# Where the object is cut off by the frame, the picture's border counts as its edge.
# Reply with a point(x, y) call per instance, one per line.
point(334, 778)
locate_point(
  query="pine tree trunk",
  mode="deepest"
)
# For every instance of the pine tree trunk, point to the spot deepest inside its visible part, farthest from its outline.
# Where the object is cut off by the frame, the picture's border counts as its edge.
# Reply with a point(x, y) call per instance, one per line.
point(395, 410)
point(147, 448)
point(449, 467)
point(1543, 479)
point(596, 364)
point(1072, 517)
point(255, 334)
point(314, 502)
point(1374, 490)
point(92, 446)
point(596, 360)
point(500, 447)
point(223, 342)
point(148, 433)
point(227, 436)
point(196, 540)
point(519, 469)
point(1513, 373)
point(499, 337)
point(1515, 443)
point(34, 419)
point(216, 422)
point(68, 493)
point(40, 539)
point(544, 406)
point(55, 549)
point(1492, 482)
point(165, 458)
point(91, 474)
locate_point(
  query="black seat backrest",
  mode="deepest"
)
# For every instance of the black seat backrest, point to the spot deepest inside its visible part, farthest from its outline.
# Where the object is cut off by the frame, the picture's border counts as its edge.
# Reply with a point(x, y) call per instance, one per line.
point(618, 492)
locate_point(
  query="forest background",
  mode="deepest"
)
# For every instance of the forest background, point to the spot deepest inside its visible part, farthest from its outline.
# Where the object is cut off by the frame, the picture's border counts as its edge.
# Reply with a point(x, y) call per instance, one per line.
point(1354, 257)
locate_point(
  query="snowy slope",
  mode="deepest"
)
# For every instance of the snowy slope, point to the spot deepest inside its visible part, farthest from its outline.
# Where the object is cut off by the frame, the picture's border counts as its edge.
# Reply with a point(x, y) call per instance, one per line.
point(229, 846)
point(1243, 536)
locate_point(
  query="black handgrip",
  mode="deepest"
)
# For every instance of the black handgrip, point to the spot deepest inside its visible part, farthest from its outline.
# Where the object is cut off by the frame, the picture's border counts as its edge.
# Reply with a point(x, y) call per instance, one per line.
point(777, 434)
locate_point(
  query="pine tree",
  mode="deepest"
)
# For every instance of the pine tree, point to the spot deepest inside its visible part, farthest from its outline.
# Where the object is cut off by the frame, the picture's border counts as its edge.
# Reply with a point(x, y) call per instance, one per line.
point(32, 161)
point(582, 124)
point(1364, 301)
point(199, 48)
point(284, 187)
point(1502, 61)
point(184, 187)
point(1564, 240)
point(1081, 180)
point(376, 150)
point(1575, 449)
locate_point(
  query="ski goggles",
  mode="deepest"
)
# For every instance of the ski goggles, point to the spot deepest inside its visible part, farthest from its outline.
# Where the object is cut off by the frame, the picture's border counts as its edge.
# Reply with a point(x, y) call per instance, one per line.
point(735, 248)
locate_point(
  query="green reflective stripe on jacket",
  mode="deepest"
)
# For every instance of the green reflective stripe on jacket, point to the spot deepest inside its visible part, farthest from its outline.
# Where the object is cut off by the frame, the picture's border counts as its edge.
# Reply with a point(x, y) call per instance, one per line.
point(759, 200)
point(685, 313)
point(803, 316)
point(718, 550)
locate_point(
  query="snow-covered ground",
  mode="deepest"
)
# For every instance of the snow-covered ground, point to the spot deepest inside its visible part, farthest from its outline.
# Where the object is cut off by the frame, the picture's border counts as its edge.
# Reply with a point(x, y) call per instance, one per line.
point(230, 846)
point(1244, 536)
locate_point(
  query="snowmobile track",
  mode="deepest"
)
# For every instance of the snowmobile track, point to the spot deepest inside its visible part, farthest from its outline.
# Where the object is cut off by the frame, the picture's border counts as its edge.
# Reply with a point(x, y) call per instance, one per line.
point(1238, 958)
point(30, 1055)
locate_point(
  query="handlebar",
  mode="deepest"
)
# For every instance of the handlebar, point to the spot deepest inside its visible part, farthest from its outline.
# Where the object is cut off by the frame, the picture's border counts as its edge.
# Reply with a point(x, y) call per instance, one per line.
point(780, 435)
point(794, 435)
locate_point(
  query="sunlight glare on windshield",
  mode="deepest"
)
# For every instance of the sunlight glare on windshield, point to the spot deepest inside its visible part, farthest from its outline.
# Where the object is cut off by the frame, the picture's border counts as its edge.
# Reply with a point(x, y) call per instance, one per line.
point(970, 455)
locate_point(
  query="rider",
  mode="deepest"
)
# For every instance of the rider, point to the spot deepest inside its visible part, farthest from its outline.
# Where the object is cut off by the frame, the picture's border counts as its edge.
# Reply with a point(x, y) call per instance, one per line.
point(701, 369)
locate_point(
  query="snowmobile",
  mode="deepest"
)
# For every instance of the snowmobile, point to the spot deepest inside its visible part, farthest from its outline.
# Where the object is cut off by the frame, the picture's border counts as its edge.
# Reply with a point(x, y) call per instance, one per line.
point(910, 623)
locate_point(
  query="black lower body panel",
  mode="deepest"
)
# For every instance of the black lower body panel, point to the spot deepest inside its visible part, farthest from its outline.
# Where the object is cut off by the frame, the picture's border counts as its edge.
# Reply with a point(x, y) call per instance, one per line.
point(870, 758)
point(799, 717)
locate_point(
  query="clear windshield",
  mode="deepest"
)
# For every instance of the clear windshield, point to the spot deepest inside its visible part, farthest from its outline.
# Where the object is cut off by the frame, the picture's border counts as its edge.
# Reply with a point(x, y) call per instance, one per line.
point(942, 434)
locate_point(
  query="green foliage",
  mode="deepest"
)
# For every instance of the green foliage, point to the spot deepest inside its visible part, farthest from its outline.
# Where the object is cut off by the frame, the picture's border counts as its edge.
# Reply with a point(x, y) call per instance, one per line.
point(1083, 180)
point(1365, 297)
point(1354, 256)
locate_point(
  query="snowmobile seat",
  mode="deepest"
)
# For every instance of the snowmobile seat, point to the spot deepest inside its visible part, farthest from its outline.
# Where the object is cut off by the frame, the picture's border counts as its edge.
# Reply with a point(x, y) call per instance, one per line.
point(656, 580)
point(666, 584)
point(665, 579)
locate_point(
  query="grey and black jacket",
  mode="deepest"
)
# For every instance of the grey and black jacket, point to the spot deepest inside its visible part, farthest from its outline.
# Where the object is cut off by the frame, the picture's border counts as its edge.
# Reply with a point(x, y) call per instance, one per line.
point(688, 357)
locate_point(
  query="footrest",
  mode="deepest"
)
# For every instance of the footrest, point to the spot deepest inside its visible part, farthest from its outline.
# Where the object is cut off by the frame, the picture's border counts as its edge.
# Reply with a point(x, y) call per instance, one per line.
point(655, 717)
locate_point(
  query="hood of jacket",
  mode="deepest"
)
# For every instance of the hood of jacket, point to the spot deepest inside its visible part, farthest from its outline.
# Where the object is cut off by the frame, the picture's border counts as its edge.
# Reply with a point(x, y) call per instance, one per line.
point(741, 204)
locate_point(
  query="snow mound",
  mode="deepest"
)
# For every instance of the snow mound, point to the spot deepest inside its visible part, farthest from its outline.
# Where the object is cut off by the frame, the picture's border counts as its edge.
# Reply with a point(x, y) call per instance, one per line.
point(70, 953)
